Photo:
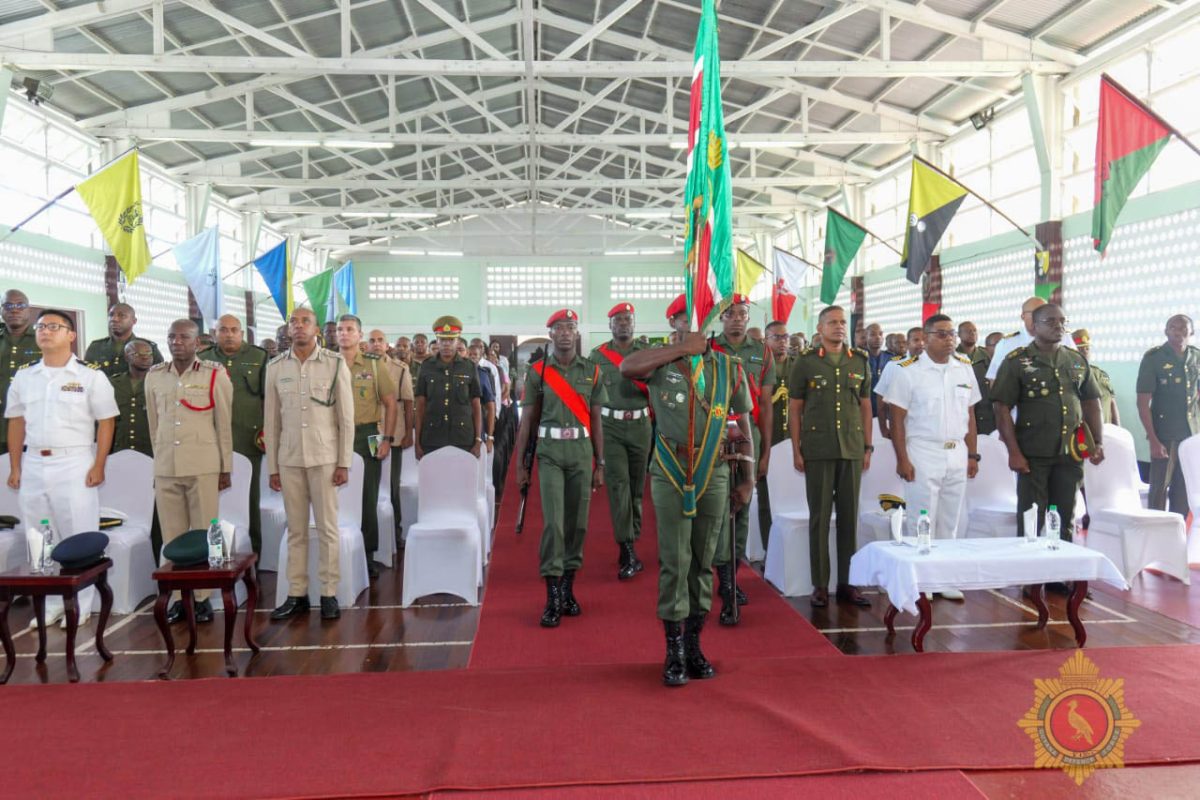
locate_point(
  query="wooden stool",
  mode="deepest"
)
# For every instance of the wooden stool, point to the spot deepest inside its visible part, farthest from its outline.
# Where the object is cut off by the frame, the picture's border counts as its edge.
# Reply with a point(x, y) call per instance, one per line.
point(68, 583)
point(186, 580)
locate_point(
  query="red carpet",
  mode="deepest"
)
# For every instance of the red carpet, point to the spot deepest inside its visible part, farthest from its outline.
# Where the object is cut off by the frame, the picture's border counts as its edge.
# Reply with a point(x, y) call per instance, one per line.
point(371, 735)
point(618, 624)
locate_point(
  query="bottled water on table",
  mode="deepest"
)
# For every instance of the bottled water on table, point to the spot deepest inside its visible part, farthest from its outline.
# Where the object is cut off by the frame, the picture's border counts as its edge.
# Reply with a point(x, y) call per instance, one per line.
point(44, 563)
point(216, 544)
point(1053, 528)
point(924, 533)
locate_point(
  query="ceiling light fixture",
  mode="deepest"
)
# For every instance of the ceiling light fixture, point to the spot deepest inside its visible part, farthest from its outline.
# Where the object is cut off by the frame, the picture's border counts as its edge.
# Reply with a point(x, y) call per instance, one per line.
point(366, 214)
point(352, 144)
point(406, 252)
point(284, 143)
point(413, 214)
point(447, 253)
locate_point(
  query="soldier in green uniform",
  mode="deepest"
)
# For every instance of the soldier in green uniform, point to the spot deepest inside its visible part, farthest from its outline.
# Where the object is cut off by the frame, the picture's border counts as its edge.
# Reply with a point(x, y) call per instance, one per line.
point(133, 424)
point(626, 437)
point(829, 420)
point(981, 359)
point(448, 412)
point(759, 368)
point(373, 390)
point(777, 343)
point(690, 487)
point(108, 354)
point(1054, 393)
point(1108, 397)
point(247, 369)
point(563, 398)
point(18, 347)
point(1167, 382)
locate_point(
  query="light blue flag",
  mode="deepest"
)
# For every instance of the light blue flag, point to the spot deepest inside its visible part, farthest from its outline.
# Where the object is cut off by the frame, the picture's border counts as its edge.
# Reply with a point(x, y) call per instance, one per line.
point(276, 271)
point(199, 259)
point(343, 281)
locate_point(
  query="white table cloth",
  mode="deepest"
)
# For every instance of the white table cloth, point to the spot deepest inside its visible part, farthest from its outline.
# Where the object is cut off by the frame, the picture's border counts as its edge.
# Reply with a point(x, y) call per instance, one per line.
point(968, 564)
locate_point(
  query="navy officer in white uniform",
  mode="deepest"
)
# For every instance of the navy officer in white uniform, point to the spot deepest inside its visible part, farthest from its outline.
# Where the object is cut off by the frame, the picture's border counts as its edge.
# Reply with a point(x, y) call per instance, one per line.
point(56, 448)
point(931, 400)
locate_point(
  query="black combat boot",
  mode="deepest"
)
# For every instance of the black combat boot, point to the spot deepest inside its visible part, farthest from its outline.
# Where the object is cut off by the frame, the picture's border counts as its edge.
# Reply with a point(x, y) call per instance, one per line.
point(697, 665)
point(566, 594)
point(553, 611)
point(638, 566)
point(626, 570)
point(674, 668)
point(729, 609)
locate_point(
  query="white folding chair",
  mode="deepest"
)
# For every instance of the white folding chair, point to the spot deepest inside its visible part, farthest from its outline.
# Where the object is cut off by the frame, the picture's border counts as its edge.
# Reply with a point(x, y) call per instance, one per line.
point(881, 478)
point(234, 509)
point(1189, 462)
point(352, 557)
point(1132, 537)
point(481, 507)
point(386, 514)
point(788, 562)
point(272, 522)
point(129, 490)
point(13, 550)
point(409, 500)
point(992, 493)
point(443, 554)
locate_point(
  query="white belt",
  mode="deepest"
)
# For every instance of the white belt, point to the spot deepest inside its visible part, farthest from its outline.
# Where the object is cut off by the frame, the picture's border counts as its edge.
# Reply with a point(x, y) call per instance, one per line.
point(624, 414)
point(548, 432)
point(46, 452)
point(937, 443)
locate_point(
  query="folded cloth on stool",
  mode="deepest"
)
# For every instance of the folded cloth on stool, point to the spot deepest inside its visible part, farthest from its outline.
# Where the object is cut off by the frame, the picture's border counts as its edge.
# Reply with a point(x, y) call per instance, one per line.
point(81, 550)
point(188, 549)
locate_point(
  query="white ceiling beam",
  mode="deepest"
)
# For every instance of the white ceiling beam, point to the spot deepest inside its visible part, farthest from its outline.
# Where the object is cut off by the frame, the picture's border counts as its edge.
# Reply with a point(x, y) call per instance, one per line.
point(464, 30)
point(813, 28)
point(241, 26)
point(86, 14)
point(492, 210)
point(600, 27)
point(672, 182)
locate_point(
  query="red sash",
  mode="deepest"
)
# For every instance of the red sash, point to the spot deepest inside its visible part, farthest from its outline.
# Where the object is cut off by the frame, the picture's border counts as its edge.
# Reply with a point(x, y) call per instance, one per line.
point(212, 382)
point(566, 393)
point(616, 358)
point(755, 385)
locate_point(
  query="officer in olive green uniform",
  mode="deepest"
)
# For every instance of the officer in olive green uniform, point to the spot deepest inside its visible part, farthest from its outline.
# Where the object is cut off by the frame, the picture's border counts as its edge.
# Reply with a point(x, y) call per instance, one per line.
point(563, 397)
point(1108, 397)
point(1167, 382)
point(777, 342)
point(447, 392)
point(188, 404)
point(759, 368)
point(18, 347)
point(108, 354)
point(968, 336)
point(626, 437)
point(829, 420)
point(246, 366)
point(373, 390)
point(401, 432)
point(133, 424)
point(690, 514)
point(1054, 393)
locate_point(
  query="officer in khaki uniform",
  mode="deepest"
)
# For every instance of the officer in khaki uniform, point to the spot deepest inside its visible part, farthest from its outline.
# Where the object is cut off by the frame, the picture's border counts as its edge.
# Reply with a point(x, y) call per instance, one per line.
point(189, 403)
point(246, 366)
point(448, 412)
point(402, 431)
point(129, 389)
point(373, 390)
point(108, 354)
point(691, 504)
point(777, 342)
point(1054, 393)
point(309, 425)
point(1167, 382)
point(18, 347)
point(829, 418)
point(563, 398)
point(627, 433)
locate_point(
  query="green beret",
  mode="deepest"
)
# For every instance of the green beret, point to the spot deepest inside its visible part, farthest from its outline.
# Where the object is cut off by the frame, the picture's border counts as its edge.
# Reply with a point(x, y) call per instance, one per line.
point(188, 550)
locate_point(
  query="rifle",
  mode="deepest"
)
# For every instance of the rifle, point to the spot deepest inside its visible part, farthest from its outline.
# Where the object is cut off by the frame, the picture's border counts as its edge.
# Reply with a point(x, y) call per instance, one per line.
point(733, 437)
point(527, 462)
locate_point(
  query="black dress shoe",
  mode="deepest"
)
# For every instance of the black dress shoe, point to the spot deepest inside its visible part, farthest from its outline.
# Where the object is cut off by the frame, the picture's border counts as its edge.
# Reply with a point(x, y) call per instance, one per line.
point(850, 594)
point(204, 611)
point(329, 608)
point(290, 608)
point(372, 569)
point(820, 597)
point(176, 613)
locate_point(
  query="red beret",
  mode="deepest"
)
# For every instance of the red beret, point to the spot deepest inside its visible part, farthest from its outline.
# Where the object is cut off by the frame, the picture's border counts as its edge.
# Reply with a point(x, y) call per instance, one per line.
point(739, 300)
point(620, 308)
point(561, 314)
point(679, 306)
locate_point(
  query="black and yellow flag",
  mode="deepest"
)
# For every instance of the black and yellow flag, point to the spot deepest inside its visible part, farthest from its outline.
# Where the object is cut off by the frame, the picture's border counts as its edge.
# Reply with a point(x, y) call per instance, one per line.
point(932, 203)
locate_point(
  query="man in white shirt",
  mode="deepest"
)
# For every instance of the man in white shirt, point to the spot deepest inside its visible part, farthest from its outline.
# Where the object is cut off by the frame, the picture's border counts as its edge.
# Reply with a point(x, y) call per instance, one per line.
point(933, 430)
point(61, 418)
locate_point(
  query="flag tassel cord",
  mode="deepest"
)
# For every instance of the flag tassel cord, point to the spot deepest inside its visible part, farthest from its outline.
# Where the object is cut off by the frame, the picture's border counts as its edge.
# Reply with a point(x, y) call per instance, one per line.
point(982, 199)
point(879, 238)
point(63, 194)
point(1131, 98)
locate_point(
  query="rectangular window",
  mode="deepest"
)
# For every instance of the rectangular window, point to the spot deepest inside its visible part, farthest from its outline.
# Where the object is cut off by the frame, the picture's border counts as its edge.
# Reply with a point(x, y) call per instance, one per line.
point(413, 287)
point(535, 286)
point(644, 287)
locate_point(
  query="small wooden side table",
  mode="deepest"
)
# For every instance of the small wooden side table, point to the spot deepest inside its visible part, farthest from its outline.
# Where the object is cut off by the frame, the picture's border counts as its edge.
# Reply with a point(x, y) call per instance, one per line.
point(186, 580)
point(67, 583)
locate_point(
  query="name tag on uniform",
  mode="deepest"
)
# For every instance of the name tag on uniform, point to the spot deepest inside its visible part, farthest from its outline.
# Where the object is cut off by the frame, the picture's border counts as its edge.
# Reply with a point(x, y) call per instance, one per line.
point(286, 380)
point(73, 386)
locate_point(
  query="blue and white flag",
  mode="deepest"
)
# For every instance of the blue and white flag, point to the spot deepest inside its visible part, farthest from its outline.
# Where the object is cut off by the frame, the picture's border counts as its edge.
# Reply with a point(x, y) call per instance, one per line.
point(199, 260)
point(343, 281)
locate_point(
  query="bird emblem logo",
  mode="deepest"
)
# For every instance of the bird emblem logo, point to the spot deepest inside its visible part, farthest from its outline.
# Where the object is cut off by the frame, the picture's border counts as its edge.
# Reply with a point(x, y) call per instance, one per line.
point(1079, 722)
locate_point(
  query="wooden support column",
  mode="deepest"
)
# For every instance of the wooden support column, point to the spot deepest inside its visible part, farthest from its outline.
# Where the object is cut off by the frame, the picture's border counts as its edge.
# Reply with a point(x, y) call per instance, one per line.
point(112, 277)
point(857, 306)
point(250, 323)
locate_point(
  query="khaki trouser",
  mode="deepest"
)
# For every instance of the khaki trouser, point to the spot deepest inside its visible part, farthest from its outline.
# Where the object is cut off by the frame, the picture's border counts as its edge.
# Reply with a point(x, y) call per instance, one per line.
point(186, 504)
point(304, 487)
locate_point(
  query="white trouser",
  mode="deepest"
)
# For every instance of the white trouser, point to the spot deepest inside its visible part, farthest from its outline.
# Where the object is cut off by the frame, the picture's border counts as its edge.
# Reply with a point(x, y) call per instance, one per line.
point(53, 487)
point(938, 487)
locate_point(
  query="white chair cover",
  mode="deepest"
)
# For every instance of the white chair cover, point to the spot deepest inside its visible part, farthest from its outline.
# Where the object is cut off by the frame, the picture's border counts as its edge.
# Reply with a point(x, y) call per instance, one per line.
point(788, 564)
point(481, 506)
point(754, 546)
point(234, 509)
point(272, 520)
point(352, 558)
point(409, 501)
point(1132, 537)
point(13, 550)
point(129, 489)
point(881, 478)
point(1189, 462)
point(387, 516)
point(444, 547)
point(992, 493)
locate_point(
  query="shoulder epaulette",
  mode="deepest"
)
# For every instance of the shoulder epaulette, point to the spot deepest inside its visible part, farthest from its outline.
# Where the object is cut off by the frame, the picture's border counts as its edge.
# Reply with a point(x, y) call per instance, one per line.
point(860, 352)
point(908, 362)
point(204, 362)
point(159, 367)
point(279, 357)
point(372, 356)
point(38, 361)
point(897, 358)
point(81, 361)
point(1014, 353)
point(963, 359)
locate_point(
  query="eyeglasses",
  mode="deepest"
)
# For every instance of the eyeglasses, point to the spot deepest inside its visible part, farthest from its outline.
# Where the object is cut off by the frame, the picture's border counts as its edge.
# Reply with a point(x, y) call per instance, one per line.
point(53, 327)
point(14, 306)
point(943, 334)
point(777, 336)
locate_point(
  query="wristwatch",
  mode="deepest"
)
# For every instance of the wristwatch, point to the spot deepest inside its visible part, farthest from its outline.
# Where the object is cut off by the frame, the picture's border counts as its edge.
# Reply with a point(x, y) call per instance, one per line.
point(870, 448)
point(388, 439)
point(975, 457)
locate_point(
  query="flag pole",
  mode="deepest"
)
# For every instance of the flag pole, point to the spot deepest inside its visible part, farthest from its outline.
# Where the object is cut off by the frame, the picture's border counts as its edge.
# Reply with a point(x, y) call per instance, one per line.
point(981, 198)
point(875, 236)
point(1131, 98)
point(804, 261)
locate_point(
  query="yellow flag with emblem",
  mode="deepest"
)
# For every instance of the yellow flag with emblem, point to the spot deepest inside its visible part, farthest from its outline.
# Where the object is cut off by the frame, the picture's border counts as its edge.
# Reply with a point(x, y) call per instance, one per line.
point(747, 274)
point(114, 198)
point(932, 202)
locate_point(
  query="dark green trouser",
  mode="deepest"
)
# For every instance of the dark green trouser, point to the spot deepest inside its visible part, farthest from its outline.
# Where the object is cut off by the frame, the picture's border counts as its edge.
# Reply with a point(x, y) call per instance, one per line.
point(1176, 490)
point(565, 482)
point(256, 462)
point(764, 512)
point(397, 466)
point(370, 495)
point(686, 546)
point(831, 484)
point(743, 516)
point(1050, 482)
point(626, 454)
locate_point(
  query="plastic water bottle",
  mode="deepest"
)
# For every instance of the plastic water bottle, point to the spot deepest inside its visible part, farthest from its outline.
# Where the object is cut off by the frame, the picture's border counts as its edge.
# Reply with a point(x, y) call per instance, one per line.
point(45, 563)
point(1053, 528)
point(216, 544)
point(924, 533)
